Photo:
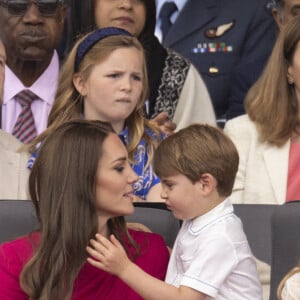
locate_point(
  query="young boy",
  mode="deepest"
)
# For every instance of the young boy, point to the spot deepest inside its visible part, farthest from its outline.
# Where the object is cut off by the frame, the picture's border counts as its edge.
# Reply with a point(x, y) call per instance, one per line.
point(211, 258)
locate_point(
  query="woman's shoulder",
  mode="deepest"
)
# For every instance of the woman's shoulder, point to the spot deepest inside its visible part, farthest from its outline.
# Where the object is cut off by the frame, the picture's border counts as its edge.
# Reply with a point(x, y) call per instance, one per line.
point(20, 248)
point(15, 254)
point(240, 125)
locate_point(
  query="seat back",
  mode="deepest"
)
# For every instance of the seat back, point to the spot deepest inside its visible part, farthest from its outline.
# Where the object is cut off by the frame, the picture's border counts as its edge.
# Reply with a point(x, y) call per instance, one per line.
point(158, 218)
point(17, 218)
point(285, 231)
point(256, 220)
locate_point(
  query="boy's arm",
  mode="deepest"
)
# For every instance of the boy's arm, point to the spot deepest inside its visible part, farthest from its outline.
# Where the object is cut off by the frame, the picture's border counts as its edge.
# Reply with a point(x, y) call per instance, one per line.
point(111, 257)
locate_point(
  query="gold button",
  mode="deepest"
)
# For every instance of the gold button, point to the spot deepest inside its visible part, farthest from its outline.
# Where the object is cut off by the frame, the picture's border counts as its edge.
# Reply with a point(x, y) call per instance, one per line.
point(213, 70)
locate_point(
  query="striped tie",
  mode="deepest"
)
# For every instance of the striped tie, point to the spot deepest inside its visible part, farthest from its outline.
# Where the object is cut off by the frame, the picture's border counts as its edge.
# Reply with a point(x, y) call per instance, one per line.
point(24, 129)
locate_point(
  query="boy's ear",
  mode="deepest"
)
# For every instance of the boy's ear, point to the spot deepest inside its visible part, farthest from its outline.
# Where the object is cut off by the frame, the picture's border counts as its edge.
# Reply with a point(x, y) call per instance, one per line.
point(207, 183)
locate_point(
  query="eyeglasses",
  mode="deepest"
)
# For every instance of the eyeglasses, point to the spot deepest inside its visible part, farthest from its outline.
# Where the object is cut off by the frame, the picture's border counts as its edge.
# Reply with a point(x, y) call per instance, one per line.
point(19, 7)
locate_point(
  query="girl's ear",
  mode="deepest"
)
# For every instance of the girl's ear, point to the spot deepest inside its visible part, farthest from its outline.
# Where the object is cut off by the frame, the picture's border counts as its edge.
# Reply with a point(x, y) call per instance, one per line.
point(208, 183)
point(79, 84)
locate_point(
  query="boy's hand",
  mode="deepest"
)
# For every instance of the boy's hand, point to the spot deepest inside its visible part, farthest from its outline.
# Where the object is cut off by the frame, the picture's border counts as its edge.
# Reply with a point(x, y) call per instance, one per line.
point(107, 255)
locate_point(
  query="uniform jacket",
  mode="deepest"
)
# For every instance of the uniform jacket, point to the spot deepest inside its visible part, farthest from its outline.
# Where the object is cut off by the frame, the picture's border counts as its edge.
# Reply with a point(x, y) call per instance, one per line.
point(219, 36)
point(263, 168)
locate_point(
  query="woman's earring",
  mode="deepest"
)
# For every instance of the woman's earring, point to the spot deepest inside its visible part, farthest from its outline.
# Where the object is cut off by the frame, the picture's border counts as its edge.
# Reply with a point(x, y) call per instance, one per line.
point(290, 81)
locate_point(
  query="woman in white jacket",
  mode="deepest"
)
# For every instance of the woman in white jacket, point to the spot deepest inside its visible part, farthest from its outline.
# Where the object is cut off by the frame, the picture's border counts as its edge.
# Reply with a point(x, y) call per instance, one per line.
point(268, 137)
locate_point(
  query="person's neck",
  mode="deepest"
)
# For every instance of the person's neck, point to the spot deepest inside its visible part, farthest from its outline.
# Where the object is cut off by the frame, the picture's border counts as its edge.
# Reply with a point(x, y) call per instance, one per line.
point(215, 200)
point(102, 227)
point(118, 127)
point(28, 71)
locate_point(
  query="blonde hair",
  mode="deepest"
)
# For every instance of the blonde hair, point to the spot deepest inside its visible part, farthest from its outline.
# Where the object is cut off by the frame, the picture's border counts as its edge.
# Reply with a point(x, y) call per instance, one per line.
point(68, 101)
point(195, 150)
point(272, 103)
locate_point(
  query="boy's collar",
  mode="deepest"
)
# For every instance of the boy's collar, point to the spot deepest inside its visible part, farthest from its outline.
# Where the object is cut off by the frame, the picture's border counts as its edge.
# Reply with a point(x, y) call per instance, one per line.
point(220, 211)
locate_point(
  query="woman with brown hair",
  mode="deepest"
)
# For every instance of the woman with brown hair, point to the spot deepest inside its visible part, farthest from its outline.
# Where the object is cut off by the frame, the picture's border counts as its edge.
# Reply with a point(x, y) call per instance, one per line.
point(80, 184)
point(268, 137)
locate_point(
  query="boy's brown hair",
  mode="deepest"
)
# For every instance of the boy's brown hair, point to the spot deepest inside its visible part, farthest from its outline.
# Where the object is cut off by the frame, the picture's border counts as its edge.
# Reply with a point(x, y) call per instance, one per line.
point(199, 149)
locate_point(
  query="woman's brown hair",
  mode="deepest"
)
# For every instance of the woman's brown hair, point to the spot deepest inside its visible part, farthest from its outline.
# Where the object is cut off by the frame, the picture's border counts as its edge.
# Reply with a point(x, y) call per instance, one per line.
point(62, 188)
point(272, 103)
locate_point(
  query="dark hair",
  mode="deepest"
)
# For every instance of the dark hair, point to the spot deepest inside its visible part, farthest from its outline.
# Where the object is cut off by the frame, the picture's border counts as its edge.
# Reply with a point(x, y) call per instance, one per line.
point(83, 17)
point(62, 188)
point(195, 150)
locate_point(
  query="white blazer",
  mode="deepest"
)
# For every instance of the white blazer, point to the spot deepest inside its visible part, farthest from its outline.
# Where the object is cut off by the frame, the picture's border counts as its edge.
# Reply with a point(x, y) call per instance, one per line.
point(263, 168)
point(13, 171)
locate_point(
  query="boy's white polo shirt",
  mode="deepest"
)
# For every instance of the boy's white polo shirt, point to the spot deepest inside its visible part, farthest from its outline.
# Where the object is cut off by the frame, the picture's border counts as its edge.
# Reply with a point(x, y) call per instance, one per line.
point(212, 255)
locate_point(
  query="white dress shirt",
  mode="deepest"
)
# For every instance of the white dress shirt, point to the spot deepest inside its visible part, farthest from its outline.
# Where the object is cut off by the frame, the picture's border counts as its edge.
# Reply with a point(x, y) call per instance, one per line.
point(211, 254)
point(44, 87)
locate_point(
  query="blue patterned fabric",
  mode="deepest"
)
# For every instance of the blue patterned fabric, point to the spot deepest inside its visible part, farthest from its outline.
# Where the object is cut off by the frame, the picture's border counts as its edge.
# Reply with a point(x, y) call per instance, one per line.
point(147, 177)
point(31, 160)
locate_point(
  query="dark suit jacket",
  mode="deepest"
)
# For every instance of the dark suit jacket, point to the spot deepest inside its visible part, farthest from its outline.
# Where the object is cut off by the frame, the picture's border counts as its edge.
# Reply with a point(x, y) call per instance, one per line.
point(243, 77)
point(251, 34)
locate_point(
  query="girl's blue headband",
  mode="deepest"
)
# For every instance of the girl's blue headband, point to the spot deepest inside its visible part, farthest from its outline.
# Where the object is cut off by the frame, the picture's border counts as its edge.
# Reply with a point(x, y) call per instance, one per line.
point(93, 38)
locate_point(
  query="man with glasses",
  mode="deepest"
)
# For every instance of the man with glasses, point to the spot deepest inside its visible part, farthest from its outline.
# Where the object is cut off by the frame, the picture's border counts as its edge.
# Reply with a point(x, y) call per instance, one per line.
point(30, 31)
